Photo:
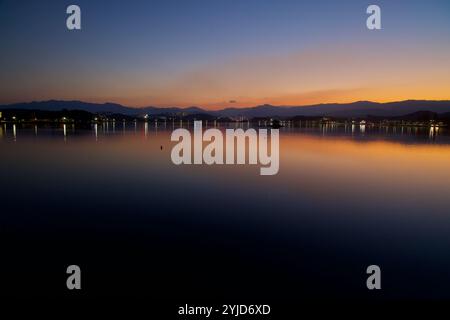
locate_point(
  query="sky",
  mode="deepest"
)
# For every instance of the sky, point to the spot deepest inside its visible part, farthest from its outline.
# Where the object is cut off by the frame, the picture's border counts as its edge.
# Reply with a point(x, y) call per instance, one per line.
point(224, 53)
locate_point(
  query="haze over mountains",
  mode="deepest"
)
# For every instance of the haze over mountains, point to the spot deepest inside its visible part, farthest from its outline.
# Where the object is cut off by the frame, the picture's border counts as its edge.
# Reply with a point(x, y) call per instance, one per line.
point(355, 109)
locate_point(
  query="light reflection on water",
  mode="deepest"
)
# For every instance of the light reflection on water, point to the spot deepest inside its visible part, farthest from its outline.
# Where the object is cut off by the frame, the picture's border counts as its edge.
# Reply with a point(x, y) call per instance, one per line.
point(343, 193)
point(400, 164)
point(110, 128)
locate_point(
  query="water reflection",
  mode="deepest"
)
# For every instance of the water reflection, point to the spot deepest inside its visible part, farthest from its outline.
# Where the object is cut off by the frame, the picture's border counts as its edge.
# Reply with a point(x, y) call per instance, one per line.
point(372, 162)
point(362, 128)
point(360, 132)
point(433, 131)
point(339, 191)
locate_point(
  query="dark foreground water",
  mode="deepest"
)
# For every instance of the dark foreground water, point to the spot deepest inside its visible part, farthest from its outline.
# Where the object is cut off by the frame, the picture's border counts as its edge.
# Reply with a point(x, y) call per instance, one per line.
point(108, 199)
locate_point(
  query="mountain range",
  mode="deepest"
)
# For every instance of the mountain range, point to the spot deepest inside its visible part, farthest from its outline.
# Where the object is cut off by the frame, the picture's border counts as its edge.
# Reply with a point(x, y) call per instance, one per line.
point(355, 109)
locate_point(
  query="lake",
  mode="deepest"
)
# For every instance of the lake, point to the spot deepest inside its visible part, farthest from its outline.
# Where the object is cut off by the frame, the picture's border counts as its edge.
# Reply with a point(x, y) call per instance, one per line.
point(108, 198)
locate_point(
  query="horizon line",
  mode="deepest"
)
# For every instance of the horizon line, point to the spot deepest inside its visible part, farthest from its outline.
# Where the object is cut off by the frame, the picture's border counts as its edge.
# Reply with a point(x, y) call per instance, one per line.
point(223, 108)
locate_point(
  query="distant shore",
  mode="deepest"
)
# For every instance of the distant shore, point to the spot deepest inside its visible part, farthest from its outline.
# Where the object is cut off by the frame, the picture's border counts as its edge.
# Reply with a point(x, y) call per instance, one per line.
point(417, 119)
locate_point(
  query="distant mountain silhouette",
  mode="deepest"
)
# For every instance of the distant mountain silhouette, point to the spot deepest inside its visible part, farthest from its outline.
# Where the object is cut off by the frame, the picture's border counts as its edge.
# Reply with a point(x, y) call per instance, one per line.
point(419, 116)
point(58, 105)
point(355, 109)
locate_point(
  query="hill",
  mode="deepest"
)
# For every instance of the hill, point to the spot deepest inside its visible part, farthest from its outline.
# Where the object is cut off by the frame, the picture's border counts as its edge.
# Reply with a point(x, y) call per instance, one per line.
point(344, 110)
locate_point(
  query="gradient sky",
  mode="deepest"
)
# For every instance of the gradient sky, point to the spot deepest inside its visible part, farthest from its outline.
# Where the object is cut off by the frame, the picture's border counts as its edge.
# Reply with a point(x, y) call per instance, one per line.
point(209, 52)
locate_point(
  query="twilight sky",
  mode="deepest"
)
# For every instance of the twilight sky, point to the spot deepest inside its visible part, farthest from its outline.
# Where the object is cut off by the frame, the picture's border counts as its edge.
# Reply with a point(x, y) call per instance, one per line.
point(209, 52)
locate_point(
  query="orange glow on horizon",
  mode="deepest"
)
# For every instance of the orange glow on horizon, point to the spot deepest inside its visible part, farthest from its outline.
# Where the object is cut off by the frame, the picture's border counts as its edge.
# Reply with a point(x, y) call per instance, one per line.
point(334, 74)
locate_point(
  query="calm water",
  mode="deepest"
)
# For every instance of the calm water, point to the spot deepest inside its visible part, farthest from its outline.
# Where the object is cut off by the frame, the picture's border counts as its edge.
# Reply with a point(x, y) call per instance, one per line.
point(110, 200)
